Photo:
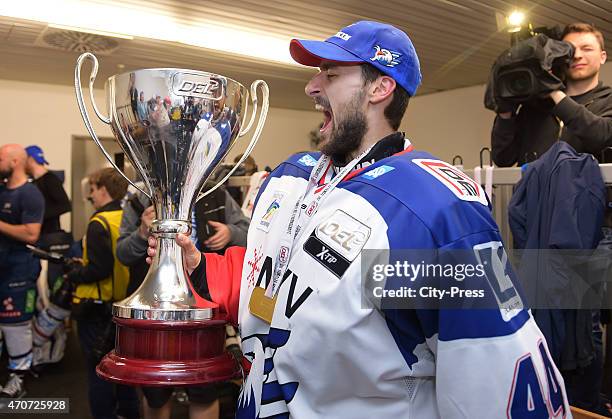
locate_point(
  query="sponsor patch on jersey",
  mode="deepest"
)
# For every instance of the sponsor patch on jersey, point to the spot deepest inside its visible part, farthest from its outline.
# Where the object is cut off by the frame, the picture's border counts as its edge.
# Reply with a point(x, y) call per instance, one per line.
point(344, 234)
point(326, 256)
point(378, 172)
point(493, 258)
point(460, 184)
point(307, 160)
point(268, 217)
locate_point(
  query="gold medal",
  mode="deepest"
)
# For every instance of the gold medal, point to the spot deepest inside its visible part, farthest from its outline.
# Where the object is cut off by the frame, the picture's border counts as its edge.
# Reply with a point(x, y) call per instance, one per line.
point(261, 306)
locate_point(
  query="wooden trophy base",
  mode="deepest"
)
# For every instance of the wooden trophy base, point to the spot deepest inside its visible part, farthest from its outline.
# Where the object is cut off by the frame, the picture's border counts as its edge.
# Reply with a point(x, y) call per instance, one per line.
point(169, 353)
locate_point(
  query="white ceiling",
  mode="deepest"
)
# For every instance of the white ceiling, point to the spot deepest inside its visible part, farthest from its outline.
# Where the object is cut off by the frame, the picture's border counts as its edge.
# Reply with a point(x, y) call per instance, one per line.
point(457, 40)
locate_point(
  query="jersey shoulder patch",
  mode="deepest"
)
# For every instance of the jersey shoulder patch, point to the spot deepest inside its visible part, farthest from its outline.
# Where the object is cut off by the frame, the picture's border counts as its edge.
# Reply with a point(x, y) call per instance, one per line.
point(447, 202)
point(460, 184)
point(410, 171)
point(299, 165)
point(304, 160)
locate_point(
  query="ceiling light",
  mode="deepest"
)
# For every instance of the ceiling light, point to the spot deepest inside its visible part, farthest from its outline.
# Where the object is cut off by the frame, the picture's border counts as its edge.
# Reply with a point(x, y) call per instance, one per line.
point(515, 21)
point(113, 19)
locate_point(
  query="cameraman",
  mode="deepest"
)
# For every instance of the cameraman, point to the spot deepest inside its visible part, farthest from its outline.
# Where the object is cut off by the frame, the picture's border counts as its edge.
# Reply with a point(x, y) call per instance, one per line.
point(581, 116)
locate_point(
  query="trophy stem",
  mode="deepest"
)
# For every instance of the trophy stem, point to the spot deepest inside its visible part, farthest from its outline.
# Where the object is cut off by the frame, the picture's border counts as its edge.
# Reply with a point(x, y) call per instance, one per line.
point(166, 292)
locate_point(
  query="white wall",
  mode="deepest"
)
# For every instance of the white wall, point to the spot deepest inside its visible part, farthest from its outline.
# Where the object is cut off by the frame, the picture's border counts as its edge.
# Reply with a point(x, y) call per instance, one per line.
point(450, 123)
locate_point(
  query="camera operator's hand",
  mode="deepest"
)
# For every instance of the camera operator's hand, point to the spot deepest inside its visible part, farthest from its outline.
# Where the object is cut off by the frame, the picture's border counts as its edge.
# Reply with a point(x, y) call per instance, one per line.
point(72, 264)
point(72, 269)
point(505, 109)
point(146, 219)
point(557, 96)
point(191, 254)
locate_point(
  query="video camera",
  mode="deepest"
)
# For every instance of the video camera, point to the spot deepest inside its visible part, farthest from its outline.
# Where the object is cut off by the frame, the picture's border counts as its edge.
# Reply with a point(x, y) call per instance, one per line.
point(53, 257)
point(526, 71)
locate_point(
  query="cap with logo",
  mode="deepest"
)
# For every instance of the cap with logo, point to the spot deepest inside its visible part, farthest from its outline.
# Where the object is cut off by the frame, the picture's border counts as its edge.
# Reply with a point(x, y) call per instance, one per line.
point(385, 47)
point(37, 154)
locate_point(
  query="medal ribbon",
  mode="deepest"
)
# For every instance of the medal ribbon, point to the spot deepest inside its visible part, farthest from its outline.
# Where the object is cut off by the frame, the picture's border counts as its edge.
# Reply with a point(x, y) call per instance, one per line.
point(302, 214)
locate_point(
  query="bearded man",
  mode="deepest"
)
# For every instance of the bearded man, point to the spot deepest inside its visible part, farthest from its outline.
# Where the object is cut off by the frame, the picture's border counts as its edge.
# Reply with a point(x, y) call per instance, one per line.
point(21, 214)
point(317, 340)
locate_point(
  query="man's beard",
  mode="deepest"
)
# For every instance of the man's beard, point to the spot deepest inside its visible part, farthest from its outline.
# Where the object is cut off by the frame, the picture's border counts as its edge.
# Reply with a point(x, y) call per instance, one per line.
point(346, 138)
point(5, 174)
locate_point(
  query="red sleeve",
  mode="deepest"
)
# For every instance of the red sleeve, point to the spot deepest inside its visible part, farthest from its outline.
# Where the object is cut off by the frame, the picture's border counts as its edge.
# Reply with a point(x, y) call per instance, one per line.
point(223, 274)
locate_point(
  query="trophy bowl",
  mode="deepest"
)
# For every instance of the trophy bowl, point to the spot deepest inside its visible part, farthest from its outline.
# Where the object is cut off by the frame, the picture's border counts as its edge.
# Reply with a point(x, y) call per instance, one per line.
point(175, 126)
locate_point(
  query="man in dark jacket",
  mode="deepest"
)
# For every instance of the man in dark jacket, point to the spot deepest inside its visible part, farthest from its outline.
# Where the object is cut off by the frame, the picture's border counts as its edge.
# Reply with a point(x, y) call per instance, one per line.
point(22, 207)
point(581, 116)
point(559, 218)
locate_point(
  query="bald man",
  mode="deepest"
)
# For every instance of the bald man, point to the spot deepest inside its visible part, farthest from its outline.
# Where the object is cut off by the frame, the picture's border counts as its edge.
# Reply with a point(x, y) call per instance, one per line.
point(21, 213)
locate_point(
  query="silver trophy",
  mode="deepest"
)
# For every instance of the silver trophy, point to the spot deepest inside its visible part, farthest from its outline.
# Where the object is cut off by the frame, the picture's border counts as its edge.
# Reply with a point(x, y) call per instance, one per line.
point(175, 126)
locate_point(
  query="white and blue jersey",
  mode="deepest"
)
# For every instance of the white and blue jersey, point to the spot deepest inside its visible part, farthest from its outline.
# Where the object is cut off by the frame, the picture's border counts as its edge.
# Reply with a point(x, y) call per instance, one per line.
point(327, 355)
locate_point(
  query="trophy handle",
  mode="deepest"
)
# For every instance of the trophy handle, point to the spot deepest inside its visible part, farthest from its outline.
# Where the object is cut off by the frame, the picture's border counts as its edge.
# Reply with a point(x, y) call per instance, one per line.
point(265, 93)
point(79, 93)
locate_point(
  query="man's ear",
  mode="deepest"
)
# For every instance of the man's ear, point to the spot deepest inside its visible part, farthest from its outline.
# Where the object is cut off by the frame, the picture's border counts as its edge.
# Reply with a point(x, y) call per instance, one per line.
point(382, 88)
point(604, 57)
point(104, 190)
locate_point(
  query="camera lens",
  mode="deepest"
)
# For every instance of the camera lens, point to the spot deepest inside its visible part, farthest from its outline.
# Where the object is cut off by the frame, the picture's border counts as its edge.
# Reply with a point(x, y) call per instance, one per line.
point(520, 83)
point(516, 83)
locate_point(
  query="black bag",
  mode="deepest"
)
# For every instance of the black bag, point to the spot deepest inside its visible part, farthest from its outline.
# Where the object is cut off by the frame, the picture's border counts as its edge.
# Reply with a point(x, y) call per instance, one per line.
point(105, 341)
point(58, 242)
point(92, 310)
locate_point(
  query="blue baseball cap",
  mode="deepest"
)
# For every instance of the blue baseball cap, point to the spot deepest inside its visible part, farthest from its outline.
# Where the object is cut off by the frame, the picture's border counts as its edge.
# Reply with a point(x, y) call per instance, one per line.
point(383, 46)
point(37, 154)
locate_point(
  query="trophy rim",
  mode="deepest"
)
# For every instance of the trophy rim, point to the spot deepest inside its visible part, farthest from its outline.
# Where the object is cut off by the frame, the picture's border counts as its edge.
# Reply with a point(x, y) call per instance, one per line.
point(183, 70)
point(172, 314)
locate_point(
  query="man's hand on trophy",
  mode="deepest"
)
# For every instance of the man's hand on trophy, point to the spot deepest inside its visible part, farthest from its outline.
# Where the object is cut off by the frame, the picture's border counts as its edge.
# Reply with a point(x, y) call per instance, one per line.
point(191, 254)
point(146, 219)
point(221, 238)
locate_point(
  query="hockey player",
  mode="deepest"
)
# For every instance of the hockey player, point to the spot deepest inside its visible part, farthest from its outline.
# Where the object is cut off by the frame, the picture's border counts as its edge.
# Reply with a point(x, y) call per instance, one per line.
point(313, 348)
point(21, 214)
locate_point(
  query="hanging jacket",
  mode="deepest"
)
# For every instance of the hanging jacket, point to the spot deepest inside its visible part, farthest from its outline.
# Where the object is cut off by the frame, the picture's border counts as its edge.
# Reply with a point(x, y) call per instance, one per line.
point(558, 207)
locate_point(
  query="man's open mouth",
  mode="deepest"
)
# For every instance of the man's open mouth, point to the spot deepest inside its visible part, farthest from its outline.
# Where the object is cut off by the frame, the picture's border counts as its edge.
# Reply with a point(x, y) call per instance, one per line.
point(327, 114)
